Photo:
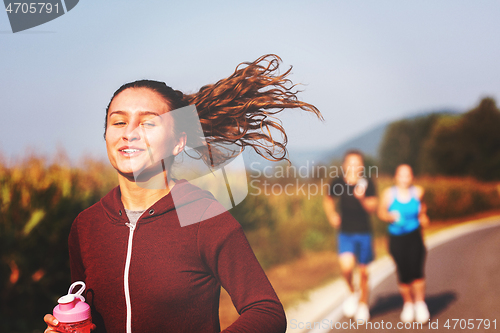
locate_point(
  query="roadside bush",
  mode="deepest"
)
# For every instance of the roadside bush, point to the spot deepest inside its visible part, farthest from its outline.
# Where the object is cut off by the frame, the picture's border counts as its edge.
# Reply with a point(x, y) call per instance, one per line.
point(38, 203)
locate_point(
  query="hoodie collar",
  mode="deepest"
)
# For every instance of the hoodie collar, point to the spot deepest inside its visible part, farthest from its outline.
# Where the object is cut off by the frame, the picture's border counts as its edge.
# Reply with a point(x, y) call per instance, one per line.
point(182, 193)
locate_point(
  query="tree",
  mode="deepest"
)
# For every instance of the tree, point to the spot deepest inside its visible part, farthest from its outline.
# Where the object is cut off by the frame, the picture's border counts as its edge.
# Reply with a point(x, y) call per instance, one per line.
point(439, 154)
point(403, 141)
point(467, 146)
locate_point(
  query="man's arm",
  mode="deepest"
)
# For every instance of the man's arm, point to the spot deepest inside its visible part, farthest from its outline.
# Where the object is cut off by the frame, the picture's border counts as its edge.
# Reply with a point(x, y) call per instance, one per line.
point(331, 213)
point(370, 202)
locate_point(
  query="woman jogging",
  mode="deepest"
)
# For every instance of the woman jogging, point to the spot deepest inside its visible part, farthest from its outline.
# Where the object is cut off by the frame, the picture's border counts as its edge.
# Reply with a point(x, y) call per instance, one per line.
point(146, 270)
point(403, 209)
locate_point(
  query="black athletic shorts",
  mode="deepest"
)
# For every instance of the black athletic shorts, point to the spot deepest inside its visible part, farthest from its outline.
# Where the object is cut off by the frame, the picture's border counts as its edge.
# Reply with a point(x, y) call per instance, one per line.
point(408, 252)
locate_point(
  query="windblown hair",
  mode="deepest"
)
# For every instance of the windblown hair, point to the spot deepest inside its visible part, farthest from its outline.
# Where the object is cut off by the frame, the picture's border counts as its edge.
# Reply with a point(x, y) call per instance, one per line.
point(237, 111)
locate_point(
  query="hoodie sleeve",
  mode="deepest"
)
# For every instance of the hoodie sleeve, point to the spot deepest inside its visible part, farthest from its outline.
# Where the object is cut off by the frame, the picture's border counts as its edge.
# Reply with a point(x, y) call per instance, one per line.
point(226, 251)
point(75, 258)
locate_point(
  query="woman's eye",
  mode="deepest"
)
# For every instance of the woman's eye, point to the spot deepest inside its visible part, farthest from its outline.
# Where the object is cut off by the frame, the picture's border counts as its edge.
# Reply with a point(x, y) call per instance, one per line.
point(148, 124)
point(119, 123)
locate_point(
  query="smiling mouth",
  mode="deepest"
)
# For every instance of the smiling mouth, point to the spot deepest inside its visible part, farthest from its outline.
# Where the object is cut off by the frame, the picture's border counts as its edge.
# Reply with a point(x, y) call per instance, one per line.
point(130, 151)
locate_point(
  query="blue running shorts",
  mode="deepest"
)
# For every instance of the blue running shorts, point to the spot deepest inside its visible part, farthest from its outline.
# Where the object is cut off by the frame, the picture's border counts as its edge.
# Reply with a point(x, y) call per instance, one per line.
point(359, 244)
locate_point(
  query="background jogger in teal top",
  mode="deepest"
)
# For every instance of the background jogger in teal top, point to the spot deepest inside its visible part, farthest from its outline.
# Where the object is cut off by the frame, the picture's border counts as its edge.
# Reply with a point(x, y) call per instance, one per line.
point(402, 207)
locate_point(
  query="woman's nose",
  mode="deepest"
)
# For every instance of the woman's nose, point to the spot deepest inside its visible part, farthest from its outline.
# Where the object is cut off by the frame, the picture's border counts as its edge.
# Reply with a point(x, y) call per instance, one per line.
point(132, 133)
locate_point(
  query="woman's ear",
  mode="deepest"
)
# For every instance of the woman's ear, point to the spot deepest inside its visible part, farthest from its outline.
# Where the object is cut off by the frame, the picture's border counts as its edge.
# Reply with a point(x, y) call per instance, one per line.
point(180, 145)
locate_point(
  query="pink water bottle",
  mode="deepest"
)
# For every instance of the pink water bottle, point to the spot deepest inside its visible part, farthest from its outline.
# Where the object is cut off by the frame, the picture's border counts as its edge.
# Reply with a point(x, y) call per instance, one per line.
point(72, 311)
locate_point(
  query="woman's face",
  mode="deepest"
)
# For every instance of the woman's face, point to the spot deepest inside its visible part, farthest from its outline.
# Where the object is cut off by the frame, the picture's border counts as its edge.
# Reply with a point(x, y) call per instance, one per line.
point(404, 176)
point(140, 132)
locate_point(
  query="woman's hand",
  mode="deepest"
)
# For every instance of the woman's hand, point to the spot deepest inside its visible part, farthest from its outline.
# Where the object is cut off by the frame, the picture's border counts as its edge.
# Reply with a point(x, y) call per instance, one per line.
point(51, 322)
point(424, 220)
point(394, 215)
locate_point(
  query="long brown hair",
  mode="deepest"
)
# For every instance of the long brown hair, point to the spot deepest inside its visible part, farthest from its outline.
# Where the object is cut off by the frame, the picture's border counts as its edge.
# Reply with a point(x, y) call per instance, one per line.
point(238, 110)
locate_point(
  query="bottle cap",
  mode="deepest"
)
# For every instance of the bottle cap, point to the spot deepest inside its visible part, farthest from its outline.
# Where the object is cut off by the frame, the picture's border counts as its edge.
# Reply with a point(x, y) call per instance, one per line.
point(72, 307)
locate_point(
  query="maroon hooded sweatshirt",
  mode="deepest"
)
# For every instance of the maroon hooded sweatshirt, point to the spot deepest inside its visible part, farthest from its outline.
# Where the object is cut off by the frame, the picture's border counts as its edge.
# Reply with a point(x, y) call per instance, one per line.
point(175, 273)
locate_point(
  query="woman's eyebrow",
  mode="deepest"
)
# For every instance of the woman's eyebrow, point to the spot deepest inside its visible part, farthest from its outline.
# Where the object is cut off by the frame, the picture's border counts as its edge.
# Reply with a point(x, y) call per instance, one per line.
point(117, 113)
point(141, 113)
point(149, 113)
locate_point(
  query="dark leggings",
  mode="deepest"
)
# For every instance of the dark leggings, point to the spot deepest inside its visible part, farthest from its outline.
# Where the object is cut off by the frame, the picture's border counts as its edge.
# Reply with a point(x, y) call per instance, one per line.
point(408, 251)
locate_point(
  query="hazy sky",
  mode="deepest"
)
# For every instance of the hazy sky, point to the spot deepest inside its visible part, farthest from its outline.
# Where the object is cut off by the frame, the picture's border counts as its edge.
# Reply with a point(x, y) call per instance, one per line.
point(362, 62)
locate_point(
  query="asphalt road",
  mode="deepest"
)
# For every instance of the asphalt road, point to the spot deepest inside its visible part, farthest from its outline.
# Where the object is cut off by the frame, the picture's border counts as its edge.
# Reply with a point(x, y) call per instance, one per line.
point(463, 287)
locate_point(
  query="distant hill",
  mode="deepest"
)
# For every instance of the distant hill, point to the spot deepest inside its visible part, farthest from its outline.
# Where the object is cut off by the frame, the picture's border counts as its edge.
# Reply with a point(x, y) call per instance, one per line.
point(368, 143)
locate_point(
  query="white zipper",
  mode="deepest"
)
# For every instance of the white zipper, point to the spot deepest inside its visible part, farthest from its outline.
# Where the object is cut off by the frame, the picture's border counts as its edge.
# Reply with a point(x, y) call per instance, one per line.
point(125, 277)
